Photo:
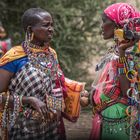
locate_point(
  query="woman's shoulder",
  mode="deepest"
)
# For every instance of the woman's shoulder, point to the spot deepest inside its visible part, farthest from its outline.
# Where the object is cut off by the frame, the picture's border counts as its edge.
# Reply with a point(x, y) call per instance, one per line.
point(14, 53)
point(53, 51)
point(15, 65)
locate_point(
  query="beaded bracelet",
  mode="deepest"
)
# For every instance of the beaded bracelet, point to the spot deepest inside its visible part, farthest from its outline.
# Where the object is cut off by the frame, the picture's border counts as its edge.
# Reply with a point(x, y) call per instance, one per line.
point(15, 111)
point(122, 65)
point(20, 99)
point(129, 112)
point(132, 75)
point(122, 59)
point(7, 101)
point(136, 99)
point(4, 115)
point(121, 70)
point(131, 91)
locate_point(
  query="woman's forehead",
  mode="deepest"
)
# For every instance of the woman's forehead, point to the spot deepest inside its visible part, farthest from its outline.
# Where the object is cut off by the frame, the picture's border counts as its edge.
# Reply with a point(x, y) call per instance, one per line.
point(106, 18)
point(44, 16)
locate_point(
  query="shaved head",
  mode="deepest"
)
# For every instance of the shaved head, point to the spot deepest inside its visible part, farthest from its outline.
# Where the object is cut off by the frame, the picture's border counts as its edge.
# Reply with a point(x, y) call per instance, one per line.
point(32, 16)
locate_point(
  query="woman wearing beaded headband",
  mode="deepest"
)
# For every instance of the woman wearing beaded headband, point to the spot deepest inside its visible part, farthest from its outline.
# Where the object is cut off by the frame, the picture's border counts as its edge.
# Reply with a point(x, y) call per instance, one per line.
point(33, 105)
point(109, 94)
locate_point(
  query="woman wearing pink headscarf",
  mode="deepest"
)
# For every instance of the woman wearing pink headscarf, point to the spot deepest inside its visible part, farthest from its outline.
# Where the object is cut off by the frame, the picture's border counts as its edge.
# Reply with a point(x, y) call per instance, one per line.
point(109, 99)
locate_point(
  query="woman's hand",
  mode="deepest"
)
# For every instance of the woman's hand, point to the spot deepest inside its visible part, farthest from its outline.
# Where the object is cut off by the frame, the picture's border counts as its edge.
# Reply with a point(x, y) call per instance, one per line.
point(39, 106)
point(84, 93)
point(123, 46)
point(84, 101)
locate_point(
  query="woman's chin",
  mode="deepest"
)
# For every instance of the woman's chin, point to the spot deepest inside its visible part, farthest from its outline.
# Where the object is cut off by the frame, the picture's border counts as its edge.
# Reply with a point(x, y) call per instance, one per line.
point(106, 37)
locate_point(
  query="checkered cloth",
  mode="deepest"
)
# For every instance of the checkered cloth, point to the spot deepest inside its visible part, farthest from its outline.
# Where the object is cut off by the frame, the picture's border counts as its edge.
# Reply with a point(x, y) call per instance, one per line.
point(29, 81)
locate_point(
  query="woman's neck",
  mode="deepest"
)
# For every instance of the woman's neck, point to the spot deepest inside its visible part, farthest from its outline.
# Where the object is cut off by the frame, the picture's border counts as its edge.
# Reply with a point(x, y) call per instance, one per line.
point(40, 44)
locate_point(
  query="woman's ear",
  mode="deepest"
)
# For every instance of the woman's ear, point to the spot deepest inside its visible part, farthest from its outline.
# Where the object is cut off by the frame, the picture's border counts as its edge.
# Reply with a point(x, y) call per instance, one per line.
point(29, 29)
point(29, 34)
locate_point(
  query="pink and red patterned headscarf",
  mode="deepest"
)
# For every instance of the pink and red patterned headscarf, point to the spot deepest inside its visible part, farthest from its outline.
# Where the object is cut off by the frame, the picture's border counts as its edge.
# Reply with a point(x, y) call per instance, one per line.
point(119, 12)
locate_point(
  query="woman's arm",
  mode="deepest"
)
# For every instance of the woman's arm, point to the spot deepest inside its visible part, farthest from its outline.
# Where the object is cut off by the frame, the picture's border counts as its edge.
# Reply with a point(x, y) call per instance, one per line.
point(5, 77)
point(124, 82)
point(87, 98)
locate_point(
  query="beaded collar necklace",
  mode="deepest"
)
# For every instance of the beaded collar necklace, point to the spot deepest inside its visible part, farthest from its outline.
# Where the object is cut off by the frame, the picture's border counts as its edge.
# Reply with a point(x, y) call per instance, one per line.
point(39, 60)
point(38, 47)
point(47, 63)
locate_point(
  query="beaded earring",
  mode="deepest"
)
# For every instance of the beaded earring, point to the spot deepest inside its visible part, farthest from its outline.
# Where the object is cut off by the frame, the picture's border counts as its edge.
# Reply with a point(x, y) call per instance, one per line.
point(32, 36)
point(29, 36)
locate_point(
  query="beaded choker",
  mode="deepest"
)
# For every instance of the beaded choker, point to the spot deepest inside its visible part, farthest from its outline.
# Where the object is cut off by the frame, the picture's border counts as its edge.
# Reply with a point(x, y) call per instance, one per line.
point(38, 47)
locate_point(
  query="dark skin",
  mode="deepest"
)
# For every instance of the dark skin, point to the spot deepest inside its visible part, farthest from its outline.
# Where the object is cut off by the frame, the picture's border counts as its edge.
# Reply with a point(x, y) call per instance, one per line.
point(108, 26)
point(43, 31)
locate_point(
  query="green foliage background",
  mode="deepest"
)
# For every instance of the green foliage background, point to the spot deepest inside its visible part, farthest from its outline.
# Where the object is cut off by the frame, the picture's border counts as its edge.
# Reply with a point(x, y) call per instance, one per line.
point(77, 28)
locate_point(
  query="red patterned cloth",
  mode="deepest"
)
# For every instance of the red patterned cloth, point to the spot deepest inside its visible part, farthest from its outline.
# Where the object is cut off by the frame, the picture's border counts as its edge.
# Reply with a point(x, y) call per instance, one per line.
point(109, 84)
point(119, 12)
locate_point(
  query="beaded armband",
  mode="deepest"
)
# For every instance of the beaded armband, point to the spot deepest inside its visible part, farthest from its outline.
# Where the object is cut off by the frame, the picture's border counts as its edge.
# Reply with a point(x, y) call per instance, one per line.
point(20, 99)
point(122, 60)
point(121, 70)
point(122, 65)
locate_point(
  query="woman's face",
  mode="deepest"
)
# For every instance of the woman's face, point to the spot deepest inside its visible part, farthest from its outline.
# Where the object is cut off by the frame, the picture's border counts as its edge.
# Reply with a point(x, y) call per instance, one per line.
point(43, 30)
point(107, 27)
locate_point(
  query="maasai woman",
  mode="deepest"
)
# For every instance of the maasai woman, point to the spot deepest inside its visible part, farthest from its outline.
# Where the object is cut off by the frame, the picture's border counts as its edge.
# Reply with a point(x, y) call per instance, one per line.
point(109, 94)
point(34, 84)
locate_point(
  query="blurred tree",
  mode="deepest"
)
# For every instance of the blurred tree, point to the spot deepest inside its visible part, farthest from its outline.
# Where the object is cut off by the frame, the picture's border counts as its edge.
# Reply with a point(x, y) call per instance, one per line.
point(138, 3)
point(76, 22)
point(76, 28)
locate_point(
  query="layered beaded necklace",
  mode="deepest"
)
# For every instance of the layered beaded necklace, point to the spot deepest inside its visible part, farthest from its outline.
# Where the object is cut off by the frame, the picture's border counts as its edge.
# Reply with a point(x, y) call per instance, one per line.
point(48, 64)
